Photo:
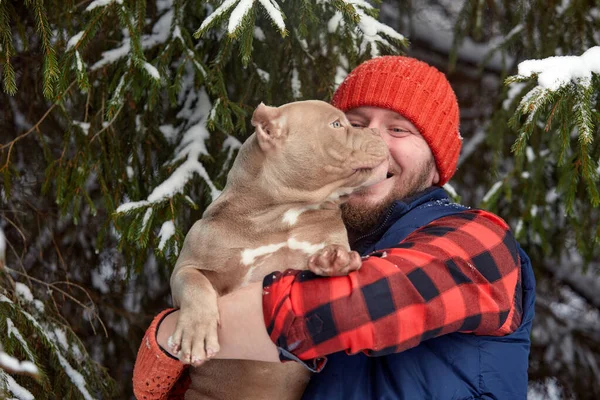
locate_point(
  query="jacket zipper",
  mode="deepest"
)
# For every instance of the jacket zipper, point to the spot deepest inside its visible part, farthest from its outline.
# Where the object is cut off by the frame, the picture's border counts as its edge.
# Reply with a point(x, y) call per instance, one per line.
point(380, 227)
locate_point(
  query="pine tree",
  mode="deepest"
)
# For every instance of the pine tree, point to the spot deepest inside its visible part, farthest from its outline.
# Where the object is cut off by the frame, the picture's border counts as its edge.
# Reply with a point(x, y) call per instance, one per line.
point(543, 135)
point(140, 108)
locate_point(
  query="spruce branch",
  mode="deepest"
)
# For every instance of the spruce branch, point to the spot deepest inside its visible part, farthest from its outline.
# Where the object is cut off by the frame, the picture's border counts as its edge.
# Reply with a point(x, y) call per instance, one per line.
point(54, 286)
point(50, 73)
point(32, 129)
point(6, 45)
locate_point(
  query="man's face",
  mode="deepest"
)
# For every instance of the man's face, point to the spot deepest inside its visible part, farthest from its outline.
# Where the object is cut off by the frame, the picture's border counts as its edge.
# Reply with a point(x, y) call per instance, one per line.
point(411, 167)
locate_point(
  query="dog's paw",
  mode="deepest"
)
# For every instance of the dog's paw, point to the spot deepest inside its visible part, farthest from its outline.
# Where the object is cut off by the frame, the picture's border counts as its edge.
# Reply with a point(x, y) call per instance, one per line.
point(334, 260)
point(195, 339)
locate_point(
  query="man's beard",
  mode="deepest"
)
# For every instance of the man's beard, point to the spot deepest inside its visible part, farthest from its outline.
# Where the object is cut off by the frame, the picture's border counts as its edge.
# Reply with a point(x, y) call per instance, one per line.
point(360, 217)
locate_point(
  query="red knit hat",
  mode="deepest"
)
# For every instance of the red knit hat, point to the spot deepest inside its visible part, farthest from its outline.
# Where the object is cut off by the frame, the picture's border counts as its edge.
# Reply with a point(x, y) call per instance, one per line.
point(418, 92)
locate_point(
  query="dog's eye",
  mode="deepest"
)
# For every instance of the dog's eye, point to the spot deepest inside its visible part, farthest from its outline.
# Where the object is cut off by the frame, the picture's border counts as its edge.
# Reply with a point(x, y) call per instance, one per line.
point(336, 124)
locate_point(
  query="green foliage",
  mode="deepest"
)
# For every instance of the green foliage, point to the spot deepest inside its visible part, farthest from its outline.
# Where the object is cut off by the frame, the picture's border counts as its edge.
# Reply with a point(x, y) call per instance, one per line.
point(129, 114)
point(556, 166)
point(29, 332)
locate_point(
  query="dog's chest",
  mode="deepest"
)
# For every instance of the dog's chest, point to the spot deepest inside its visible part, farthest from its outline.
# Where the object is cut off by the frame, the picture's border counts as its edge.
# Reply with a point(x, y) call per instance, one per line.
point(282, 254)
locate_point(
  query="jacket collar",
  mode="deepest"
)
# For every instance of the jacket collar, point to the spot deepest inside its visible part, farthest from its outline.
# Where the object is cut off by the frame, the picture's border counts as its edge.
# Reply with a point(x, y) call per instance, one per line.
point(397, 210)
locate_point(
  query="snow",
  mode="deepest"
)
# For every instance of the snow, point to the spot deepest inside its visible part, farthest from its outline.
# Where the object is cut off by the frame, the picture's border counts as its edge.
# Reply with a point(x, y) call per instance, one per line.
point(264, 75)
point(192, 57)
point(213, 110)
point(231, 144)
point(556, 72)
point(530, 154)
point(2, 247)
point(227, 4)
point(14, 332)
point(13, 387)
point(334, 22)
point(23, 291)
point(177, 34)
point(274, 13)
point(126, 207)
point(371, 28)
point(450, 189)
point(549, 391)
point(259, 34)
point(492, 191)
point(61, 338)
point(79, 61)
point(101, 3)
point(167, 230)
point(151, 69)
point(9, 362)
point(514, 89)
point(160, 34)
point(470, 146)
point(75, 377)
point(168, 132)
point(147, 216)
point(74, 40)
point(519, 228)
point(238, 14)
point(296, 84)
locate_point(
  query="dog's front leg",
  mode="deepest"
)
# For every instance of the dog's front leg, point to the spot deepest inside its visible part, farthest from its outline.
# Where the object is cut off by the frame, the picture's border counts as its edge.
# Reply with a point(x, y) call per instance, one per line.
point(195, 338)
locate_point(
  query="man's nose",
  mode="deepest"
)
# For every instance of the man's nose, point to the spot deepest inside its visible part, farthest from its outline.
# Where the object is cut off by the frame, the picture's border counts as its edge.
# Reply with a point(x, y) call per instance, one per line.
point(375, 131)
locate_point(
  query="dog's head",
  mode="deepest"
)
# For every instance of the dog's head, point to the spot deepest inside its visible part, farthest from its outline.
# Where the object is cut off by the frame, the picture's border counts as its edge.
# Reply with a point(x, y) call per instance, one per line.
point(311, 149)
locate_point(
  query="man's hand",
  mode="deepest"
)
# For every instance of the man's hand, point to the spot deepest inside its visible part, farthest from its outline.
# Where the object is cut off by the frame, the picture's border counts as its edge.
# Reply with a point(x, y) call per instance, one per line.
point(334, 260)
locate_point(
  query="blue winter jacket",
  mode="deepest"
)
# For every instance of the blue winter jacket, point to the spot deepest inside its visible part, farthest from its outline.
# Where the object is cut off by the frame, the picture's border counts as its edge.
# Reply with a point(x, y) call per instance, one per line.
point(454, 366)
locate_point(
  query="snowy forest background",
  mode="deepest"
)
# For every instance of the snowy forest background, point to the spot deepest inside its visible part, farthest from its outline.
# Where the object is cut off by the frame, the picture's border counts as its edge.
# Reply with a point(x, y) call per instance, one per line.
point(119, 120)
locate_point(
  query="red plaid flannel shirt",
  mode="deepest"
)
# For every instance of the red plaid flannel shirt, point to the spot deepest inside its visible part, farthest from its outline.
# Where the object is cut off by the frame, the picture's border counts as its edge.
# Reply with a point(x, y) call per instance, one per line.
point(460, 273)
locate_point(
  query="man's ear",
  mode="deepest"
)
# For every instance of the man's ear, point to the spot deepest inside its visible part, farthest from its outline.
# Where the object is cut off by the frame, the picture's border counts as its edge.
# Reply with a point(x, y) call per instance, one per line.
point(270, 126)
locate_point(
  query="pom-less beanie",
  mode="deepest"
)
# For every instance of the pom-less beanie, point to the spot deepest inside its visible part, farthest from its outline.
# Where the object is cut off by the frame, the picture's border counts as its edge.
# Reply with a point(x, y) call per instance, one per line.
point(417, 91)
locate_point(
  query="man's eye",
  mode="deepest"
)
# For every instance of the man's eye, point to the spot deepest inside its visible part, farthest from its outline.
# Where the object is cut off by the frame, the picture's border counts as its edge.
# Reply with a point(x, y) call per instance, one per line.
point(399, 130)
point(336, 124)
point(354, 124)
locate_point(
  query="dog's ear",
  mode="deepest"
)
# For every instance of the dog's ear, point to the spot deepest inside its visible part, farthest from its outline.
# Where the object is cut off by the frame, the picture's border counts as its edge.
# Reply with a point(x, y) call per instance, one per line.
point(270, 126)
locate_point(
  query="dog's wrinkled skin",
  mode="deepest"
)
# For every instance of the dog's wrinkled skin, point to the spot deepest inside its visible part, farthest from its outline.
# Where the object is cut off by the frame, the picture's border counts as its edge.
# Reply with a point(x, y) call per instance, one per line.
point(279, 210)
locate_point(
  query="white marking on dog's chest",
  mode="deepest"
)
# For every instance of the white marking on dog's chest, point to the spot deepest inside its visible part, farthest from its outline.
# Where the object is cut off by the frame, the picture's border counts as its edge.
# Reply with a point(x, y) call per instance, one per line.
point(290, 217)
point(249, 255)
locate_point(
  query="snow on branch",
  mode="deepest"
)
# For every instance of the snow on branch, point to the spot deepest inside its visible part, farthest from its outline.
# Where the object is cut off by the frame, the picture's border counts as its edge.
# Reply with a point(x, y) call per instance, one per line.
point(241, 10)
point(159, 35)
point(47, 330)
point(101, 3)
point(195, 112)
point(556, 72)
point(369, 26)
point(13, 387)
point(13, 365)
